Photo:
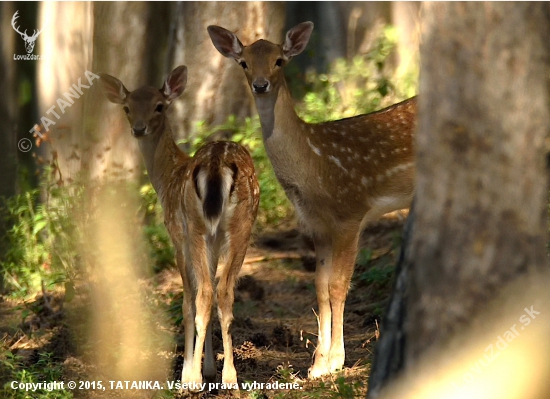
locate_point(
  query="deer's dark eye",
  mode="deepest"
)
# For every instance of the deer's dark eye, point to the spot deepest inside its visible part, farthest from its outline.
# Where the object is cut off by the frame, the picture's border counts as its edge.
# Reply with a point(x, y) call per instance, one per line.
point(279, 62)
point(159, 108)
point(243, 64)
point(126, 109)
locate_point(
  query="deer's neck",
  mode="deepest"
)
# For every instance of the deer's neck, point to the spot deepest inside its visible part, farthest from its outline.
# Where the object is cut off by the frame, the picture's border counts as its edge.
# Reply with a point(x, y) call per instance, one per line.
point(277, 114)
point(285, 138)
point(162, 158)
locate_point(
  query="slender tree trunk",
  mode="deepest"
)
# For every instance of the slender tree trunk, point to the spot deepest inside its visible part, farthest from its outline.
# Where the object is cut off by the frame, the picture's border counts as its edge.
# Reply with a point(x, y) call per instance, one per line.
point(406, 18)
point(8, 103)
point(480, 220)
point(8, 110)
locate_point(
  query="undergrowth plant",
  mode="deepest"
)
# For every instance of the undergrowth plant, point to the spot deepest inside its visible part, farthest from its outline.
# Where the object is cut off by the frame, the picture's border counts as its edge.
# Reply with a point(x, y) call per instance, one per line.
point(43, 240)
point(45, 369)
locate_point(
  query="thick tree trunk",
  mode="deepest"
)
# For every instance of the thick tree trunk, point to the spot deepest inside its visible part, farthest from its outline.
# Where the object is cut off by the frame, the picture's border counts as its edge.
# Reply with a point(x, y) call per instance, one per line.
point(481, 185)
point(481, 201)
point(216, 87)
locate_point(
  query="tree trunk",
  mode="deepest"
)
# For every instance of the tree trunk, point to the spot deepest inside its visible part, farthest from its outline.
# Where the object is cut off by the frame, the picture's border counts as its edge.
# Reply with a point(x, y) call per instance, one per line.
point(8, 109)
point(216, 87)
point(65, 46)
point(480, 219)
point(481, 193)
point(406, 18)
point(8, 104)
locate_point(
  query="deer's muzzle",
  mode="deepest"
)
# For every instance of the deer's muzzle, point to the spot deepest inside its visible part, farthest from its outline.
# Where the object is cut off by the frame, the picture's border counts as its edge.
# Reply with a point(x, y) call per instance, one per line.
point(261, 85)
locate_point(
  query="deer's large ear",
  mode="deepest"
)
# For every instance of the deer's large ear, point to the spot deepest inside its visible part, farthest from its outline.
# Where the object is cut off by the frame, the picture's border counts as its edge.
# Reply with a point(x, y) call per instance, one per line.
point(174, 84)
point(296, 39)
point(113, 88)
point(226, 42)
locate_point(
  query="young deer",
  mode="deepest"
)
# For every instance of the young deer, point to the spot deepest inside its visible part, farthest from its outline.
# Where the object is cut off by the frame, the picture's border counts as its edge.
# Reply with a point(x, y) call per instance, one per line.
point(210, 203)
point(339, 175)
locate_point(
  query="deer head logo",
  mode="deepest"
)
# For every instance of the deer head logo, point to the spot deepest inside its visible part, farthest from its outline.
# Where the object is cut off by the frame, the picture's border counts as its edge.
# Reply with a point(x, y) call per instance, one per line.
point(29, 40)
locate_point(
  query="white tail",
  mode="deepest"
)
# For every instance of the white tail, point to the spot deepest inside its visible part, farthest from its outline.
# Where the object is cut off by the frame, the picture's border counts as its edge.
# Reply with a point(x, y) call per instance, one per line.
point(210, 203)
point(339, 175)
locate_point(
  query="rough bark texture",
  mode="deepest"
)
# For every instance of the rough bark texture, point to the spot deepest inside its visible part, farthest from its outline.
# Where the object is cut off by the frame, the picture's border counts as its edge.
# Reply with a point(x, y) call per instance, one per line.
point(481, 186)
point(216, 87)
point(481, 201)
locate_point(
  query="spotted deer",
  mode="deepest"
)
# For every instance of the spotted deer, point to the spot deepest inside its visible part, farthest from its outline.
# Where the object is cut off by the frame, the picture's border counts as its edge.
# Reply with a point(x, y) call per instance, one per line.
point(210, 203)
point(340, 175)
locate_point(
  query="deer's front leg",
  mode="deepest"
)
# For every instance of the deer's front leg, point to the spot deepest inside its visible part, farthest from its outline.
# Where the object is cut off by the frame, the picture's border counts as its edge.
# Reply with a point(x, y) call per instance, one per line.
point(323, 253)
point(343, 263)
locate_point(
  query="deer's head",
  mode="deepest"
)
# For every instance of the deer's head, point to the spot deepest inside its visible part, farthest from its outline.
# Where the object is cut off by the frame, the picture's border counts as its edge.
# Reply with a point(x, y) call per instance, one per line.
point(262, 61)
point(145, 107)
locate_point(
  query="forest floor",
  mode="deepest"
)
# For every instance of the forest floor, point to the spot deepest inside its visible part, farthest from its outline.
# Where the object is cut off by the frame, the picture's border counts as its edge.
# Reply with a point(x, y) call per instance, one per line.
point(274, 330)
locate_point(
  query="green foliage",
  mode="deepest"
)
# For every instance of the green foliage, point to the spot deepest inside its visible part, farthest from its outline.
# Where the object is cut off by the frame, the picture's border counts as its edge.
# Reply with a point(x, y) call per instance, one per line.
point(378, 274)
point(358, 86)
point(43, 238)
point(286, 373)
point(363, 257)
point(161, 250)
point(345, 390)
point(13, 368)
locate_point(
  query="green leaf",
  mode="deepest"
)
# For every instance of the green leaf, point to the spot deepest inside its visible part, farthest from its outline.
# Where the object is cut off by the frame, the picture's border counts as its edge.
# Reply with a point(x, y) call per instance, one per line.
point(38, 226)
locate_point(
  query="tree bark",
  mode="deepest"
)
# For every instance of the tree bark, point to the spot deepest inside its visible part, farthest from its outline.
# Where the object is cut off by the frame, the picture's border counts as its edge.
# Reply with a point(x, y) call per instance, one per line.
point(481, 198)
point(481, 186)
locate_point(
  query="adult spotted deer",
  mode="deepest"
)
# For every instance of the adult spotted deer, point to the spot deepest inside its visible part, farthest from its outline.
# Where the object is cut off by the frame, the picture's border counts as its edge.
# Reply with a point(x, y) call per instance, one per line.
point(339, 175)
point(210, 203)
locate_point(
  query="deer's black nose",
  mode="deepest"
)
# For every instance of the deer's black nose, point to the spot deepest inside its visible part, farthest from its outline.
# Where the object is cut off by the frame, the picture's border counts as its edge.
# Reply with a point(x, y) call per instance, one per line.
point(139, 131)
point(260, 85)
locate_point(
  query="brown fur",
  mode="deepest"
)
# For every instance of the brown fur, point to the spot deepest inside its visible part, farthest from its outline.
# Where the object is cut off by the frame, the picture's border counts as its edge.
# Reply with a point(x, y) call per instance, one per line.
point(339, 175)
point(197, 247)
